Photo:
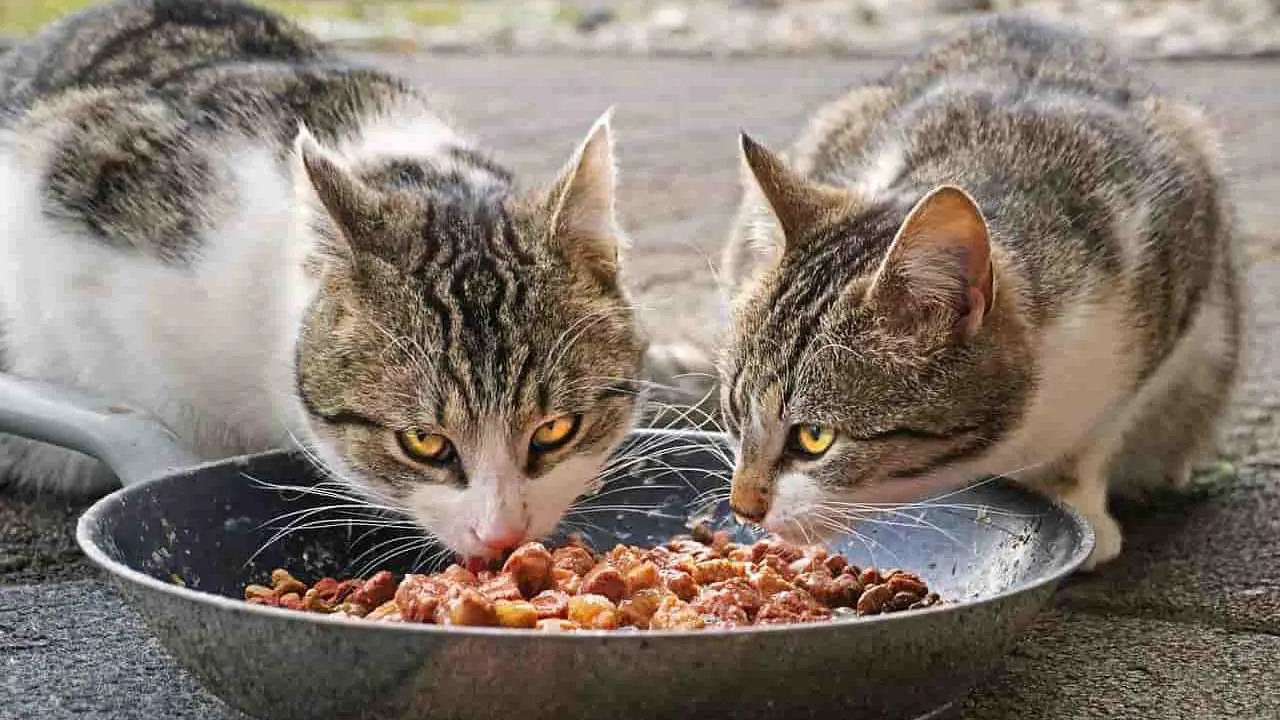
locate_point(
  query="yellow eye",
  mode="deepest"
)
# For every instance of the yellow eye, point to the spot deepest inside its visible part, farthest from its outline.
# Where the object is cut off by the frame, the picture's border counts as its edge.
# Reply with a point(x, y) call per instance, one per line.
point(555, 432)
point(812, 439)
point(425, 447)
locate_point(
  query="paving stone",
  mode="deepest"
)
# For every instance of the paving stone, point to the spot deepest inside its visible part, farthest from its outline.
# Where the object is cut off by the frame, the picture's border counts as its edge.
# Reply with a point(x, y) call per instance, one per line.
point(1074, 666)
point(73, 650)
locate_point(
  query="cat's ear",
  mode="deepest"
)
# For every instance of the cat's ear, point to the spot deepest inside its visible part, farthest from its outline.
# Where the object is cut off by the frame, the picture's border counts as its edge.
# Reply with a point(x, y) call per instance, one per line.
point(321, 176)
point(941, 259)
point(583, 227)
point(799, 205)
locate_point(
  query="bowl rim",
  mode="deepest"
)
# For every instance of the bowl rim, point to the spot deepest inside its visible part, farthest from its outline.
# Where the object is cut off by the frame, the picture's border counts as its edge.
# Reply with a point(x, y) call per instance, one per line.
point(91, 521)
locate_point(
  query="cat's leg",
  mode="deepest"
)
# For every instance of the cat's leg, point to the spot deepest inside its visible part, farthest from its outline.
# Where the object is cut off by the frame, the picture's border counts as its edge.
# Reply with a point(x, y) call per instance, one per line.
point(1167, 424)
point(1087, 490)
point(1178, 424)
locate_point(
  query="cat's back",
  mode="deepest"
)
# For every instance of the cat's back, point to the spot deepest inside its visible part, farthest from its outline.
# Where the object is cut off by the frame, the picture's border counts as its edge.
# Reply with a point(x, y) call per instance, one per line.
point(1099, 187)
point(129, 112)
point(147, 42)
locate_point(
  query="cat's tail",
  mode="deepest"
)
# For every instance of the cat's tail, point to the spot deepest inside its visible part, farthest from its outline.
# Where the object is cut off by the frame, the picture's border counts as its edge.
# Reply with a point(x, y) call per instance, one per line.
point(683, 388)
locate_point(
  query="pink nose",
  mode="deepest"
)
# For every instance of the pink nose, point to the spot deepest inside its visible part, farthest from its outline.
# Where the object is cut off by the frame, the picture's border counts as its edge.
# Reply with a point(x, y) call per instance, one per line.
point(501, 538)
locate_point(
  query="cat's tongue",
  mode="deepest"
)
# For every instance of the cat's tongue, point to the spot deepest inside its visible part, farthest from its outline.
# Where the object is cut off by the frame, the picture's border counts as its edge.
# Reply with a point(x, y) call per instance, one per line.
point(476, 563)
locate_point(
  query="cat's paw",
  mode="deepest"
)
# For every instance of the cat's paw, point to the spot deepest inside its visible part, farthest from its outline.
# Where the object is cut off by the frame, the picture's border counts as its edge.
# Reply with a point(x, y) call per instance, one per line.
point(1107, 540)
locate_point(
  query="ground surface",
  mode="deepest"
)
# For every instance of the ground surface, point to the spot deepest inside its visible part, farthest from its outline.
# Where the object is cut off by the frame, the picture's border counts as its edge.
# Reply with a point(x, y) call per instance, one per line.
point(1185, 625)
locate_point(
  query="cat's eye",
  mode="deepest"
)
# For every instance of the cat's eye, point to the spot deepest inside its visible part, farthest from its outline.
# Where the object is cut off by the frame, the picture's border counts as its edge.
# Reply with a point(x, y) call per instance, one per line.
point(554, 433)
point(425, 447)
point(811, 440)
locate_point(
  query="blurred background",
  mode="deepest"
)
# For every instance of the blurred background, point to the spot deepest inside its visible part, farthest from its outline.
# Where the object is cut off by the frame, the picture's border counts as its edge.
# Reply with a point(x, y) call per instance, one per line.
point(1146, 28)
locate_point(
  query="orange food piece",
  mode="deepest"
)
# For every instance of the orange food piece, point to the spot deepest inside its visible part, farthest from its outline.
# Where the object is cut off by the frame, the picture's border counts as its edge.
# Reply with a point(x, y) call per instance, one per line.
point(516, 614)
point(573, 558)
point(604, 579)
point(680, 583)
point(643, 576)
point(469, 607)
point(551, 604)
point(638, 609)
point(676, 614)
point(530, 566)
point(593, 611)
point(557, 625)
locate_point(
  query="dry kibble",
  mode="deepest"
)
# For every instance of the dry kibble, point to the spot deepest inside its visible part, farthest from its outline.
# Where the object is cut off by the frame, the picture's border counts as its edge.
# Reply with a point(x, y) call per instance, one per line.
point(551, 604)
point(577, 560)
point(710, 571)
point(556, 625)
point(676, 614)
point(604, 580)
point(419, 597)
point(388, 611)
point(690, 583)
point(904, 583)
point(768, 581)
point(640, 607)
point(681, 583)
point(643, 576)
point(530, 566)
point(259, 592)
point(375, 591)
point(283, 583)
point(566, 580)
point(502, 587)
point(593, 611)
point(459, 575)
point(314, 603)
point(900, 601)
point(516, 614)
point(873, 599)
point(835, 564)
point(470, 608)
point(870, 577)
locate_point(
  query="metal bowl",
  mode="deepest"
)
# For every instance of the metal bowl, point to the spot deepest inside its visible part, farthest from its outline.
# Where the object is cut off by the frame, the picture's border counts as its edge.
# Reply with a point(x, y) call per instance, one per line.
point(995, 552)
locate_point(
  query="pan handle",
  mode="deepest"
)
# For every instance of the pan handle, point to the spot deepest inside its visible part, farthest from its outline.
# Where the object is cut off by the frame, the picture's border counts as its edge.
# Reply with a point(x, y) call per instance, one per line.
point(133, 443)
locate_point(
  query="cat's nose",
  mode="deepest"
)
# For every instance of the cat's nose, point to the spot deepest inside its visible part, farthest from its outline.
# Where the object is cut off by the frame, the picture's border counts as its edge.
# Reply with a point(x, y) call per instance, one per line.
point(503, 537)
point(748, 503)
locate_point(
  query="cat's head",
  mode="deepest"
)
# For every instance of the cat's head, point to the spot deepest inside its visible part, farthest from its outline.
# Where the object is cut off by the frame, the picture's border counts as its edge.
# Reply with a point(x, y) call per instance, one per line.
point(878, 356)
point(470, 355)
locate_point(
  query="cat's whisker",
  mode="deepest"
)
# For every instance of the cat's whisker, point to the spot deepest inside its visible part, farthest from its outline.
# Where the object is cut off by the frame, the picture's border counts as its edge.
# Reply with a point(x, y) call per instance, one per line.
point(381, 561)
point(911, 523)
point(431, 561)
point(869, 543)
point(578, 328)
point(391, 541)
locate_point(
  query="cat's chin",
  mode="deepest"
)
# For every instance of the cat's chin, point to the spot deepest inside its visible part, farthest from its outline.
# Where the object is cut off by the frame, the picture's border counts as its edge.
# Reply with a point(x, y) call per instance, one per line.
point(806, 513)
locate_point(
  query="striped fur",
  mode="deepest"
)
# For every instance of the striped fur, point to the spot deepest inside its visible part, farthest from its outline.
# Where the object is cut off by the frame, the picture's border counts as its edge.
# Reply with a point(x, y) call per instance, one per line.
point(1102, 321)
point(211, 217)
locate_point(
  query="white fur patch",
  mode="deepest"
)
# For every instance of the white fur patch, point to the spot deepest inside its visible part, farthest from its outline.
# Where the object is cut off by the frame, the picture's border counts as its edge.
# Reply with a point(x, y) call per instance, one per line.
point(795, 497)
point(207, 348)
point(1088, 366)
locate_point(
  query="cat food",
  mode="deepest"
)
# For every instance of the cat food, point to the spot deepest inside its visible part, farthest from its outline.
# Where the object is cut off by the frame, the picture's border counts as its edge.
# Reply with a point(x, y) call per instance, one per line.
point(693, 582)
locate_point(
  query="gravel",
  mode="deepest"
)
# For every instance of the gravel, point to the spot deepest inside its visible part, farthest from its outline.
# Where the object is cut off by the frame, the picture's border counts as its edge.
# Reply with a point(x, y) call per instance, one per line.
point(1143, 28)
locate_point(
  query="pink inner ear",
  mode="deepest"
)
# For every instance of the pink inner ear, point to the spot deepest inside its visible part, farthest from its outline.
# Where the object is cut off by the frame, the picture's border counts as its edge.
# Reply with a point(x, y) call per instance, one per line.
point(946, 226)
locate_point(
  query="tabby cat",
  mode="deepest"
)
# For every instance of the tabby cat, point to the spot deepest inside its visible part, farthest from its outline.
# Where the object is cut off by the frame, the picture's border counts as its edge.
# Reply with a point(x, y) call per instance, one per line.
point(209, 216)
point(1009, 256)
